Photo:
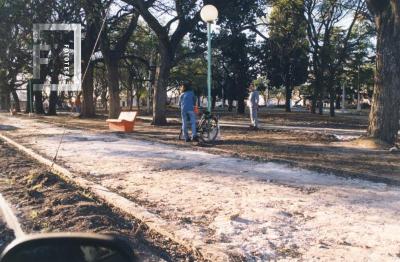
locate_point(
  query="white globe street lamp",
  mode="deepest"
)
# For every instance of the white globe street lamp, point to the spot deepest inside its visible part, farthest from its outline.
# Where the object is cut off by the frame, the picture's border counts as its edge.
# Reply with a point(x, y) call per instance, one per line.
point(209, 14)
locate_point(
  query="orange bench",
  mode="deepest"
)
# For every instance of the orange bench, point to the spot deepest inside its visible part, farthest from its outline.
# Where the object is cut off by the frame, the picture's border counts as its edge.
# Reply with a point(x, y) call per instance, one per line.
point(124, 123)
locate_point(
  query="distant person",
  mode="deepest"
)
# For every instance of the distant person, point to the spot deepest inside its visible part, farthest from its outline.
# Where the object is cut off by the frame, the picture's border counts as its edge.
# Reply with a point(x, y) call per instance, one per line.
point(254, 98)
point(13, 110)
point(187, 102)
point(46, 105)
point(78, 104)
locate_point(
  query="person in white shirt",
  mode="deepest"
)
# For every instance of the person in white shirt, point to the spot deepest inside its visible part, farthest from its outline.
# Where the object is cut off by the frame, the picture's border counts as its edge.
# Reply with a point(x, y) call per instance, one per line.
point(254, 98)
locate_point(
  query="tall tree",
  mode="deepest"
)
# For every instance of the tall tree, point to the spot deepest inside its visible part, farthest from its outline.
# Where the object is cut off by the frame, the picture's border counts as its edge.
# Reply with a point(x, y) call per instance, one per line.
point(385, 111)
point(91, 28)
point(238, 46)
point(114, 41)
point(186, 15)
point(15, 49)
point(55, 12)
point(235, 49)
point(329, 41)
point(140, 61)
point(235, 54)
point(61, 12)
point(287, 46)
point(56, 64)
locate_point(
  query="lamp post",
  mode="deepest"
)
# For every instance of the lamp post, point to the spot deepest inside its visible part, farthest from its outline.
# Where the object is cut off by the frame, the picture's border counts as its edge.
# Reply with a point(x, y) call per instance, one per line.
point(209, 14)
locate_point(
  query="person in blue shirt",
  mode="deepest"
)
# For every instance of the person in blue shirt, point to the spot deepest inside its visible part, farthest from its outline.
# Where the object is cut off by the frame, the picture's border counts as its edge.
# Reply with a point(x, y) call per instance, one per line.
point(187, 101)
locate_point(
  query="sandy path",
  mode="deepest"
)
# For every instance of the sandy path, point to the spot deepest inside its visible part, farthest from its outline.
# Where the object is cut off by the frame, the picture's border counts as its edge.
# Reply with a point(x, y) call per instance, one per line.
point(258, 211)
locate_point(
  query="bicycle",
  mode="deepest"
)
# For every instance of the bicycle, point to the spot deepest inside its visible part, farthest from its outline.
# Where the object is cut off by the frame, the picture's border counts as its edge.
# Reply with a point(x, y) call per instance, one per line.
point(207, 128)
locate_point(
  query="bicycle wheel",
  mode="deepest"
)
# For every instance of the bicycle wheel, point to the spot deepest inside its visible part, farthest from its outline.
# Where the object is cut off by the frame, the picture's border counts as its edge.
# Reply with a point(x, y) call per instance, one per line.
point(208, 129)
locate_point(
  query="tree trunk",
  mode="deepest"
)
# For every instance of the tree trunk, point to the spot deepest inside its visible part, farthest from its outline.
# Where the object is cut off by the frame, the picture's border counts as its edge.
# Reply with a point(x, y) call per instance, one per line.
point(61, 99)
point(38, 102)
point(53, 103)
point(314, 105)
point(38, 94)
point(130, 93)
point(288, 90)
point(320, 106)
point(113, 88)
point(338, 97)
point(88, 105)
point(138, 101)
point(17, 105)
point(338, 105)
point(160, 90)
point(104, 100)
point(230, 105)
point(241, 106)
point(314, 99)
point(53, 98)
point(320, 101)
point(384, 115)
point(29, 98)
point(332, 95)
point(5, 101)
point(318, 96)
point(213, 101)
point(332, 104)
point(53, 95)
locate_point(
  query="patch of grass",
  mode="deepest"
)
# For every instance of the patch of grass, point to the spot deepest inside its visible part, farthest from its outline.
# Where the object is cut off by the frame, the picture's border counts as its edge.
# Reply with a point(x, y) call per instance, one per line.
point(41, 178)
point(186, 220)
point(34, 214)
point(45, 226)
point(32, 193)
point(37, 187)
point(32, 175)
point(87, 195)
point(292, 251)
point(10, 182)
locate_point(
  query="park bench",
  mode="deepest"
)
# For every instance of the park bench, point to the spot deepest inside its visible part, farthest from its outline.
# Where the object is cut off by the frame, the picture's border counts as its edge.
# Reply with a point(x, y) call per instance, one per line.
point(124, 123)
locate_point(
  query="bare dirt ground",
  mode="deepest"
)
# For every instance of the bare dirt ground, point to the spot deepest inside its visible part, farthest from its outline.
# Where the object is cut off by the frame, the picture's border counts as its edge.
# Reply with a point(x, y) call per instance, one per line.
point(306, 149)
point(47, 203)
point(254, 211)
point(304, 119)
